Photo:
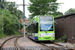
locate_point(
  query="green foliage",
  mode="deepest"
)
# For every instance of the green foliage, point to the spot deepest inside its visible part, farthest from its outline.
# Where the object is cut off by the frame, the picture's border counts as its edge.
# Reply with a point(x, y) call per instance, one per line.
point(12, 8)
point(19, 14)
point(17, 33)
point(64, 37)
point(2, 35)
point(10, 24)
point(39, 7)
point(59, 40)
point(1, 4)
point(71, 10)
point(57, 14)
point(10, 20)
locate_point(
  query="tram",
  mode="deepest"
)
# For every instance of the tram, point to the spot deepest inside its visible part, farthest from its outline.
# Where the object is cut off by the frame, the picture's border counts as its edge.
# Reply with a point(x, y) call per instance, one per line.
point(41, 28)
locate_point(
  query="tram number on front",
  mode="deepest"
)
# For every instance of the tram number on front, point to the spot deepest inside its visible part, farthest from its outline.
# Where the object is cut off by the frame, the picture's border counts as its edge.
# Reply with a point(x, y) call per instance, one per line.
point(46, 34)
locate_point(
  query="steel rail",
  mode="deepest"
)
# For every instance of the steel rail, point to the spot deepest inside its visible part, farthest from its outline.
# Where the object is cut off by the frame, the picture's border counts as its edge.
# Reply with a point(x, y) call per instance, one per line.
point(52, 47)
point(6, 41)
point(55, 48)
point(16, 44)
point(63, 46)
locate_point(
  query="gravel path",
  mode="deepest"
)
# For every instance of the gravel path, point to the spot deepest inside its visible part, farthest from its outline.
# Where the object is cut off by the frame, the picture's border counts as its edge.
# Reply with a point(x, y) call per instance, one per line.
point(9, 43)
point(2, 40)
point(27, 42)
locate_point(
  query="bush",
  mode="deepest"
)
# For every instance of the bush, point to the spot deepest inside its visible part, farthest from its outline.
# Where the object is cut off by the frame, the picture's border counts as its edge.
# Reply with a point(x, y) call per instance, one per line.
point(10, 24)
point(2, 35)
point(59, 40)
point(64, 38)
point(17, 33)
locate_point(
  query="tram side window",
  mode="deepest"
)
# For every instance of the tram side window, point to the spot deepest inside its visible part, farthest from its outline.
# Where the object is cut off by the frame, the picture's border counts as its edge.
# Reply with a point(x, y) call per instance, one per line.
point(29, 28)
point(32, 28)
point(36, 28)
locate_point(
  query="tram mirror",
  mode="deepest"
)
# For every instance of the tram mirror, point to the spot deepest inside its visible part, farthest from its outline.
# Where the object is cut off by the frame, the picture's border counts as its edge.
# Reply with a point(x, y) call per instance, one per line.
point(56, 22)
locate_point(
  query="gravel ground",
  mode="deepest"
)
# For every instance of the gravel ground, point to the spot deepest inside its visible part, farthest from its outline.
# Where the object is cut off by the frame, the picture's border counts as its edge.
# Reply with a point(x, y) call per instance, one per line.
point(51, 45)
point(27, 42)
point(2, 40)
point(9, 43)
point(68, 45)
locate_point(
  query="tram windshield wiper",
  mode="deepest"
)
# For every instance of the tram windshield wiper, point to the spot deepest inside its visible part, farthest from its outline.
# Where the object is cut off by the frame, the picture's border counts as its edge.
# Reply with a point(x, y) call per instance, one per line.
point(46, 31)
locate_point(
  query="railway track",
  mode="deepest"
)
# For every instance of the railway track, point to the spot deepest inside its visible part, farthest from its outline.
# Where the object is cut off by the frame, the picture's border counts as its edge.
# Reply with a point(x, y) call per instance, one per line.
point(57, 48)
point(65, 46)
point(15, 42)
point(42, 44)
point(51, 47)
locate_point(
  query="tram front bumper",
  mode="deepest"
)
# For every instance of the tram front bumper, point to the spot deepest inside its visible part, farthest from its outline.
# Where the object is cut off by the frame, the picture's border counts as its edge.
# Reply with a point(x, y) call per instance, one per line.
point(46, 38)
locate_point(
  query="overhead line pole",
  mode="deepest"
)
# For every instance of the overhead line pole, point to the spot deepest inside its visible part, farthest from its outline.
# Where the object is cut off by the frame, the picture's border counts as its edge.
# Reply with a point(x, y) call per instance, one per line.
point(24, 17)
point(2, 20)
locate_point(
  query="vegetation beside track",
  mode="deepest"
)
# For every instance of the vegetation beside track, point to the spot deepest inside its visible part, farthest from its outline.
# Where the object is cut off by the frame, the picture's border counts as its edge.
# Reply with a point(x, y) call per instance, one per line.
point(10, 24)
point(62, 39)
point(10, 21)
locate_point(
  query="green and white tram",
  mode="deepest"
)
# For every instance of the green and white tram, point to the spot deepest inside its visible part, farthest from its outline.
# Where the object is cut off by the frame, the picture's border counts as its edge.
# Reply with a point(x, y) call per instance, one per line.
point(41, 28)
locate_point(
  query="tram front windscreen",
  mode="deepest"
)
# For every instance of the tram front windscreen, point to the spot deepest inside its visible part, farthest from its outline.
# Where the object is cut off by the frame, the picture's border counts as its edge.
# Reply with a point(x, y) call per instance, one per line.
point(46, 23)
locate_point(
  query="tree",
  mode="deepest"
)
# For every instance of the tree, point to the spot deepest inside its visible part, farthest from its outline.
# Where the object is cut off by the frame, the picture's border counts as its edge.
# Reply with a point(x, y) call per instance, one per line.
point(12, 8)
point(42, 7)
point(57, 14)
point(11, 16)
point(2, 4)
point(19, 14)
point(71, 10)
point(10, 23)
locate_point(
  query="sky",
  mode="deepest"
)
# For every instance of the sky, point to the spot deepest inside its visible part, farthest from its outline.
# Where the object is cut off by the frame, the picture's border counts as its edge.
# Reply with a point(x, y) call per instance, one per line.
point(66, 5)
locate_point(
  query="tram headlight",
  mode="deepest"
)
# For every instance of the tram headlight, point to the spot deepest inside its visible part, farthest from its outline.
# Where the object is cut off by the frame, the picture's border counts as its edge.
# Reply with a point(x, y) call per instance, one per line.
point(52, 34)
point(41, 35)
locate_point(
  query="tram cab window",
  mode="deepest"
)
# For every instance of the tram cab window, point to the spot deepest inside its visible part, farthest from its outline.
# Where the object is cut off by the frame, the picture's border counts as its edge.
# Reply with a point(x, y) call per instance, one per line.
point(46, 23)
